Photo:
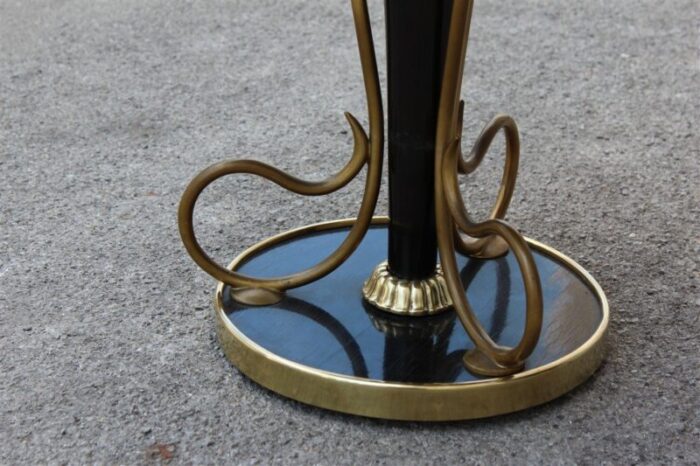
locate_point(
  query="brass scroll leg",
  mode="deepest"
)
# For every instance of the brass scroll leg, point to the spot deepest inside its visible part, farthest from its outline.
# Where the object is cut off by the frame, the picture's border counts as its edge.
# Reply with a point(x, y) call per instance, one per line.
point(369, 151)
point(486, 239)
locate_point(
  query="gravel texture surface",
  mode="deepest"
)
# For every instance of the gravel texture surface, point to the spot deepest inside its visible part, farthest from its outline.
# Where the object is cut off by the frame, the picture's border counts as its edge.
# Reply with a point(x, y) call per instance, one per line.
point(107, 109)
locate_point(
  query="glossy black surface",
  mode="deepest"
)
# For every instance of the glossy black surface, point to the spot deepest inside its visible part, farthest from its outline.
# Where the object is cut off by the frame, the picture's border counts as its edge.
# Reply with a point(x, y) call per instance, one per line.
point(327, 325)
point(416, 41)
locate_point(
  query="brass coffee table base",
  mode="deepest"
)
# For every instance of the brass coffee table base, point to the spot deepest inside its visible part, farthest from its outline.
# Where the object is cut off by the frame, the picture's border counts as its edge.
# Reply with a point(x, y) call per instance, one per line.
point(323, 345)
point(428, 212)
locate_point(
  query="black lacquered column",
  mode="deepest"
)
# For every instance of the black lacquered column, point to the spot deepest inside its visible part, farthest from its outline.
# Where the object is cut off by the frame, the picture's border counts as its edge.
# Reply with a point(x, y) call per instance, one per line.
point(416, 41)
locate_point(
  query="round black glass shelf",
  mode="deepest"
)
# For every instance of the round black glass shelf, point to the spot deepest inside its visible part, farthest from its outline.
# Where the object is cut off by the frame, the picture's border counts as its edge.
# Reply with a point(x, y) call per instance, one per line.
point(324, 345)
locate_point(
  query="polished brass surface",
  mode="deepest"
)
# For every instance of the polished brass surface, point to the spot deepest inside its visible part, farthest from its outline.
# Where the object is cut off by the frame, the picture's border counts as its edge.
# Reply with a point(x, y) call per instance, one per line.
point(424, 401)
point(456, 230)
point(406, 297)
point(452, 218)
point(490, 246)
point(367, 151)
point(257, 296)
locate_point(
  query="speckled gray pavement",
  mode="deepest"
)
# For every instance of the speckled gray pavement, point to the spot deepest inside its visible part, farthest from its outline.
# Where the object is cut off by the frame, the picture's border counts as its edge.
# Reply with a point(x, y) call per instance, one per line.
point(108, 108)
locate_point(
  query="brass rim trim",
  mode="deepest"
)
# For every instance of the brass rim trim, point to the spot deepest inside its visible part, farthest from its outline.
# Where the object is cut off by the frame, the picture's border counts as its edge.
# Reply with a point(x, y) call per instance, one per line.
point(416, 402)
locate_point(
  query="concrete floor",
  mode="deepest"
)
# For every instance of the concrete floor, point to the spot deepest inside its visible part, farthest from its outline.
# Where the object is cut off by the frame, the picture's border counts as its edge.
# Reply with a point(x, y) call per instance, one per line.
point(107, 109)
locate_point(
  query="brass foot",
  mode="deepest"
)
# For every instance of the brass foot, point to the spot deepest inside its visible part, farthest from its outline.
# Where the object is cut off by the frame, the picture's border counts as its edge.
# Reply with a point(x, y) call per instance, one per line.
point(257, 296)
point(406, 297)
point(478, 363)
point(491, 247)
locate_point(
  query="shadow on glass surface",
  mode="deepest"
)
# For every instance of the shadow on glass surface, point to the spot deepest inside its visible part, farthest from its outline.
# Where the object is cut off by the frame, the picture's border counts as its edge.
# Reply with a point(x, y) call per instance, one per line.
point(414, 350)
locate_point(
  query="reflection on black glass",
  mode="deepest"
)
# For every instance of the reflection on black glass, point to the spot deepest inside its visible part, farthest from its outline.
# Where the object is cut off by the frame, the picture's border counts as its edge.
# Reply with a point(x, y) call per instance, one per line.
point(416, 349)
point(321, 317)
point(500, 307)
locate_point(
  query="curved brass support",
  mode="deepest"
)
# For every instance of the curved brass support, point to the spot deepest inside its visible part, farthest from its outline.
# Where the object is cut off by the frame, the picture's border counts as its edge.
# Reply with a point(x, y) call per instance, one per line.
point(490, 246)
point(487, 358)
point(257, 291)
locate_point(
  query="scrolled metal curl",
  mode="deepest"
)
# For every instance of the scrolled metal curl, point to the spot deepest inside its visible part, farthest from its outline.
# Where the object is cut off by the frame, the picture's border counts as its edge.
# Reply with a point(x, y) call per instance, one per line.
point(490, 246)
point(367, 150)
point(488, 358)
point(504, 358)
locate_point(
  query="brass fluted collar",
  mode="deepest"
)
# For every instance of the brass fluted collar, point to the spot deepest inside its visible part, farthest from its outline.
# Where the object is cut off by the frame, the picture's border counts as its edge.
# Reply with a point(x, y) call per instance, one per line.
point(406, 297)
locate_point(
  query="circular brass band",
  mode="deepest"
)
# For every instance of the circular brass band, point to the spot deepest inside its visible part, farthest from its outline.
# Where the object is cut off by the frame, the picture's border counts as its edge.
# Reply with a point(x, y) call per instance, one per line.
point(415, 402)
